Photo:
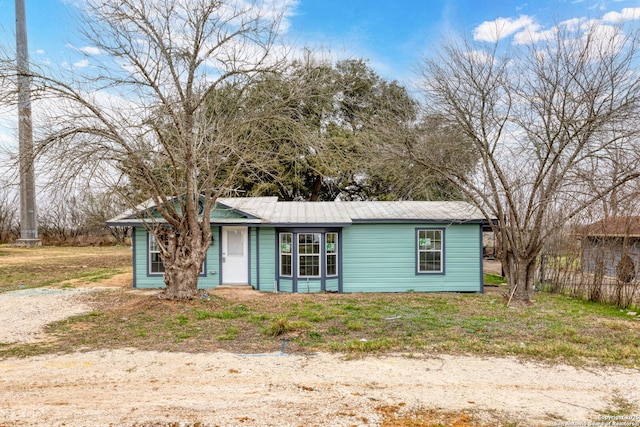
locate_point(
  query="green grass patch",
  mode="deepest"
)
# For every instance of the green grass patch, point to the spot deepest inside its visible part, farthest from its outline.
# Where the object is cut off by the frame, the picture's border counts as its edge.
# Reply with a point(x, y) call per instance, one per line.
point(282, 325)
point(555, 328)
point(230, 333)
point(363, 346)
point(233, 313)
point(491, 279)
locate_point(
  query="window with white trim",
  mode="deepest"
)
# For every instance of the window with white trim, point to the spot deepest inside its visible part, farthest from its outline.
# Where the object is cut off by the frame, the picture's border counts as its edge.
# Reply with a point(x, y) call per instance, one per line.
point(309, 254)
point(429, 242)
point(331, 263)
point(155, 262)
point(286, 254)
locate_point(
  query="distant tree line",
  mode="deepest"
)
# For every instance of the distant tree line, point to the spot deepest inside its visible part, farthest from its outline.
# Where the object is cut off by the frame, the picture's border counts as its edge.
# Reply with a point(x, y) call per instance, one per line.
point(67, 219)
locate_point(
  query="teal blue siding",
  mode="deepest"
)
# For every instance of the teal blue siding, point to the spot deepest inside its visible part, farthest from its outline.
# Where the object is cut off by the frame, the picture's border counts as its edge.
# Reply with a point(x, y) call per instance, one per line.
point(375, 258)
point(253, 256)
point(267, 267)
point(220, 213)
point(382, 258)
point(212, 276)
point(141, 263)
point(309, 286)
point(285, 285)
point(331, 284)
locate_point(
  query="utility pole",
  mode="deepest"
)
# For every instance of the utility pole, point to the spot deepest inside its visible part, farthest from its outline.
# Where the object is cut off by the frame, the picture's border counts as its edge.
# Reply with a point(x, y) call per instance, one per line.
point(28, 219)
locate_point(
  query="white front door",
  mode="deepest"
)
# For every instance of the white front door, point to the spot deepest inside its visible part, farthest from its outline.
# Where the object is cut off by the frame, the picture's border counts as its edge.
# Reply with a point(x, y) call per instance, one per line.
point(235, 255)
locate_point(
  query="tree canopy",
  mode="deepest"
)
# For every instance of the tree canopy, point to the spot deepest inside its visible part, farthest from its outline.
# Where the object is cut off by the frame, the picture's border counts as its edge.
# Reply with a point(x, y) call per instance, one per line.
point(340, 126)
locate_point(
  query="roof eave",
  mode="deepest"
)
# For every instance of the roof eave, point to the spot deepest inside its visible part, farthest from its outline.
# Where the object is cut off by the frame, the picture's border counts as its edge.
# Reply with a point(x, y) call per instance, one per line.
point(422, 220)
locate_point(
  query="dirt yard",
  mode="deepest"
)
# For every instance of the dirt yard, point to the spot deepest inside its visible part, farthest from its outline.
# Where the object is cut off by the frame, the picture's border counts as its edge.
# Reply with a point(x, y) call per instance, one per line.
point(140, 388)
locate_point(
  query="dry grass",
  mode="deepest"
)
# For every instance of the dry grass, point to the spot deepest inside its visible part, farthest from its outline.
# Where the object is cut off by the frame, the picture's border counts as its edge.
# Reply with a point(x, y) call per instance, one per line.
point(399, 416)
point(553, 329)
point(49, 266)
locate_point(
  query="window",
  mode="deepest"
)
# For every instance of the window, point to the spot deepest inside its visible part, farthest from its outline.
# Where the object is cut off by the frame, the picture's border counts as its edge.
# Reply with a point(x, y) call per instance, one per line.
point(332, 254)
point(235, 243)
point(309, 255)
point(430, 251)
point(286, 254)
point(155, 262)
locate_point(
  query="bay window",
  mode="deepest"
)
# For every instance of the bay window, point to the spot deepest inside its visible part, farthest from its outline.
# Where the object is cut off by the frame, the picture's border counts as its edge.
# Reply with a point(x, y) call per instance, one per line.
point(308, 254)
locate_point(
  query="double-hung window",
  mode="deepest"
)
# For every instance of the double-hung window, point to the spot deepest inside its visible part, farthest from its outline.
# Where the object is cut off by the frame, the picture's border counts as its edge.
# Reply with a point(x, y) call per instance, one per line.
point(155, 262)
point(286, 254)
point(331, 264)
point(309, 254)
point(430, 250)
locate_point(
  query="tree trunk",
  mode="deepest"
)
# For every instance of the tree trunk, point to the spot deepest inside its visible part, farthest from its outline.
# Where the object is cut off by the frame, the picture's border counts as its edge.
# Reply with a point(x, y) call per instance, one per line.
point(181, 284)
point(520, 273)
point(182, 257)
point(316, 190)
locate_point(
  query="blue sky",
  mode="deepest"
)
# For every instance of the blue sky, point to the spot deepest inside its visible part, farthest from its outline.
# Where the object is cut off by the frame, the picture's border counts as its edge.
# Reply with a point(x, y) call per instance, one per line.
point(392, 34)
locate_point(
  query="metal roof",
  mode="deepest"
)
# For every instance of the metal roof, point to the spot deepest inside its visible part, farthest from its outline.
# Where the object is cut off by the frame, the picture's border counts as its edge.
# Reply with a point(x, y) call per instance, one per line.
point(273, 211)
point(615, 226)
point(268, 210)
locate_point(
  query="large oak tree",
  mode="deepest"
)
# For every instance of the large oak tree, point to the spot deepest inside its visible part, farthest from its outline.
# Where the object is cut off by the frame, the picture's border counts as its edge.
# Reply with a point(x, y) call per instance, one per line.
point(341, 121)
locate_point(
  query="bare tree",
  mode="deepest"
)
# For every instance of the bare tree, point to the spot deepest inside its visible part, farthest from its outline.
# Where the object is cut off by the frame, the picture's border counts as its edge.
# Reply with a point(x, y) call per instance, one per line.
point(62, 220)
point(97, 209)
point(9, 223)
point(136, 116)
point(554, 124)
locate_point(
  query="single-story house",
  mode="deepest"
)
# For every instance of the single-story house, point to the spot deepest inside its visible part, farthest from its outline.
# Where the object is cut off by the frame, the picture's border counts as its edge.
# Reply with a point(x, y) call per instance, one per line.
point(605, 242)
point(340, 246)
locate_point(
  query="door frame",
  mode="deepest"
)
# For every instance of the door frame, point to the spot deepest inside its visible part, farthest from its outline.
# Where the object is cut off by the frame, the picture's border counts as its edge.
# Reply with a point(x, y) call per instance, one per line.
point(223, 249)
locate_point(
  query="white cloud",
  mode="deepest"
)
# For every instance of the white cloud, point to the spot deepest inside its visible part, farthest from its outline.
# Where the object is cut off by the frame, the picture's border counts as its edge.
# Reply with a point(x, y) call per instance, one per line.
point(574, 24)
point(492, 31)
point(87, 50)
point(627, 14)
point(7, 138)
point(83, 63)
point(526, 30)
point(480, 57)
point(40, 52)
point(271, 8)
point(90, 50)
point(533, 34)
